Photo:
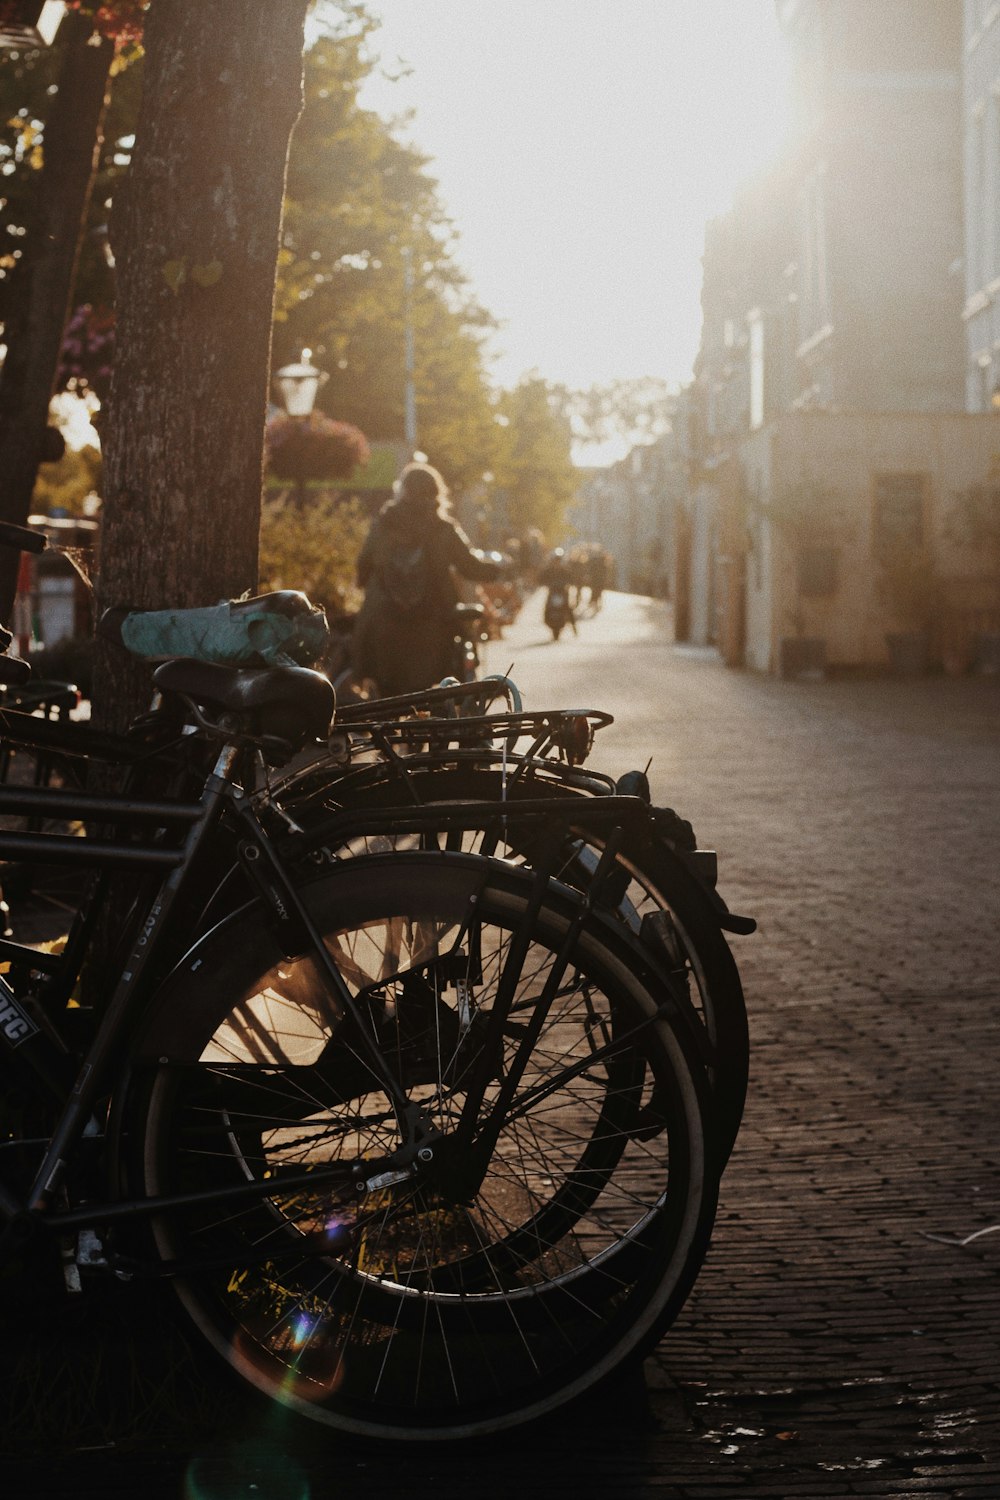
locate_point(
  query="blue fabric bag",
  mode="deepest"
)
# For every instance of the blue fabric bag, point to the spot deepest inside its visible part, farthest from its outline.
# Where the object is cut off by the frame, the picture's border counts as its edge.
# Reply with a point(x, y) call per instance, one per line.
point(273, 630)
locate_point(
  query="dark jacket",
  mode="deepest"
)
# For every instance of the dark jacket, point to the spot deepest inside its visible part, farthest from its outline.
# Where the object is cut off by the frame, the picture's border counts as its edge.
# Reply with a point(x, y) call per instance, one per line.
point(404, 650)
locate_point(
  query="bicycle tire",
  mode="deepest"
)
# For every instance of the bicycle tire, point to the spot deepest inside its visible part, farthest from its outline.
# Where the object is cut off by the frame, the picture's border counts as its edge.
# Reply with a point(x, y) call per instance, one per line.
point(690, 938)
point(429, 1317)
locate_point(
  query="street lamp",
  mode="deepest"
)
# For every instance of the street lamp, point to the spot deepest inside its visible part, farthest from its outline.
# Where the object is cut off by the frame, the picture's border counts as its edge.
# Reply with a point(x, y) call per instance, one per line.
point(299, 385)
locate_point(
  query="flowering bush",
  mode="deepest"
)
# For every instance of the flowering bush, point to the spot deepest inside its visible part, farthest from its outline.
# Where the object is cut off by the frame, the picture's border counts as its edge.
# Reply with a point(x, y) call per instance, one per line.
point(314, 447)
point(88, 351)
point(119, 20)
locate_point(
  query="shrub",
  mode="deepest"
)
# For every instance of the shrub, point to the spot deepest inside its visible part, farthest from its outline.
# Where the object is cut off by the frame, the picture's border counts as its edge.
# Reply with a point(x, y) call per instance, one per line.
point(314, 447)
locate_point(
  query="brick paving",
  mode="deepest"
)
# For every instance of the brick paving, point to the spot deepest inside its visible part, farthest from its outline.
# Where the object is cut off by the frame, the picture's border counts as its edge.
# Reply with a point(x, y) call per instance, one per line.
point(839, 1342)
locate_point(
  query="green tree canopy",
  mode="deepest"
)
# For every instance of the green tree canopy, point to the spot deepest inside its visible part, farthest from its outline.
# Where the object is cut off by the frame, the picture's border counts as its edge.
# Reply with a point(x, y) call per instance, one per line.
point(639, 410)
point(534, 469)
point(358, 202)
point(28, 85)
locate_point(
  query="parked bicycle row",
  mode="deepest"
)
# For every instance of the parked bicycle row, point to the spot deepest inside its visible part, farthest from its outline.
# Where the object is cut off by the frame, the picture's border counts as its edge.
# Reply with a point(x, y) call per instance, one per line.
point(415, 1071)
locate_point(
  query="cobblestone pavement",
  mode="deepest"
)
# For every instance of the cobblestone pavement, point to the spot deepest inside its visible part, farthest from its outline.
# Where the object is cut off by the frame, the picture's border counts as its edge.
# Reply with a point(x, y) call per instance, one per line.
point(840, 1341)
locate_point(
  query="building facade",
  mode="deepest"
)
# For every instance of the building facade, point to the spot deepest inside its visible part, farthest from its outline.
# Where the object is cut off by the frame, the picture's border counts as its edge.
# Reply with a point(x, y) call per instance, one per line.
point(876, 183)
point(837, 451)
point(981, 131)
point(630, 507)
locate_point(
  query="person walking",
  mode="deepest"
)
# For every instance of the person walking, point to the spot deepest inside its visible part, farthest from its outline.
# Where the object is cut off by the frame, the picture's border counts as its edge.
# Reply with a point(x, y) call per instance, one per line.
point(405, 631)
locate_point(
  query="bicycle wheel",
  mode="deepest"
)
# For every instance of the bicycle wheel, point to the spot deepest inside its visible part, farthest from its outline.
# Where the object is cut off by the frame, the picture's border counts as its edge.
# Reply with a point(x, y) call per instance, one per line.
point(652, 895)
point(437, 1302)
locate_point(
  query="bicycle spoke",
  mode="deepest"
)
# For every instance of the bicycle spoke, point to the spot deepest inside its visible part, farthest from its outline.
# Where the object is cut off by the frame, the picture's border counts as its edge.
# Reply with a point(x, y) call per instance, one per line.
point(436, 1289)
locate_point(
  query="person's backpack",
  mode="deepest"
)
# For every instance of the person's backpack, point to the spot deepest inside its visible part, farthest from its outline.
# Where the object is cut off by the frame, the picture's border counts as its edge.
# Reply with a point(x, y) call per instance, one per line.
point(406, 573)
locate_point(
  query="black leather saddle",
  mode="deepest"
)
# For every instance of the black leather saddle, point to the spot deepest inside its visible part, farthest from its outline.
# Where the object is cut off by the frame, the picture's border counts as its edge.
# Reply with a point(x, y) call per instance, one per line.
point(291, 703)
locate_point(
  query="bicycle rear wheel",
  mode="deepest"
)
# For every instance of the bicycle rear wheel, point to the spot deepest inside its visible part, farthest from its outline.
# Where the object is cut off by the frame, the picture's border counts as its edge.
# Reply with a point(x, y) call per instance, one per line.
point(653, 896)
point(435, 1305)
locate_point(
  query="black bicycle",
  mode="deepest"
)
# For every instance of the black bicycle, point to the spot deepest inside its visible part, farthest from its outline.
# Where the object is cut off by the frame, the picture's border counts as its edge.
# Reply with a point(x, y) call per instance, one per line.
point(431, 748)
point(417, 1137)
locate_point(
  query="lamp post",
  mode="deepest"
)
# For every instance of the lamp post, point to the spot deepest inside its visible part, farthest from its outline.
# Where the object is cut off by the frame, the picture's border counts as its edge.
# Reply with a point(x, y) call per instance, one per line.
point(298, 385)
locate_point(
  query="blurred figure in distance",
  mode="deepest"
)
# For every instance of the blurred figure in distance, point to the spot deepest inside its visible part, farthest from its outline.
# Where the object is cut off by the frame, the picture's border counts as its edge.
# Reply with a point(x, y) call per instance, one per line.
point(405, 631)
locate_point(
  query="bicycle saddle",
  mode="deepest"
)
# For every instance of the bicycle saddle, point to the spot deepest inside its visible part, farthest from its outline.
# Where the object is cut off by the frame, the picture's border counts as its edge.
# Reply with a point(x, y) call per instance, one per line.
point(291, 703)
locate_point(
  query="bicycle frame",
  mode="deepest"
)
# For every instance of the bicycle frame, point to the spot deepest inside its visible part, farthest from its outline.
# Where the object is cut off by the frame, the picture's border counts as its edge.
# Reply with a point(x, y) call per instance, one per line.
point(35, 1040)
point(33, 1036)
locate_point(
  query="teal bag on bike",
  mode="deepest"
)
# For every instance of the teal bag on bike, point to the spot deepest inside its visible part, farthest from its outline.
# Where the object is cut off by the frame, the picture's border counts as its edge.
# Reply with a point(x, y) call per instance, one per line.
point(273, 630)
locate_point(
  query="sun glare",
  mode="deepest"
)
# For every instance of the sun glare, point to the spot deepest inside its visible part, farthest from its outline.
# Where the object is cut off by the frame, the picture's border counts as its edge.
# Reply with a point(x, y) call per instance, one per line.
point(580, 153)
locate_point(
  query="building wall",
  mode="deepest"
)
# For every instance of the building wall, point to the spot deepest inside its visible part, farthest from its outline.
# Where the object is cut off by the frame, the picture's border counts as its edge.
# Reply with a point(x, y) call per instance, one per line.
point(701, 614)
point(879, 204)
point(761, 630)
point(981, 164)
point(833, 292)
point(629, 509)
point(841, 455)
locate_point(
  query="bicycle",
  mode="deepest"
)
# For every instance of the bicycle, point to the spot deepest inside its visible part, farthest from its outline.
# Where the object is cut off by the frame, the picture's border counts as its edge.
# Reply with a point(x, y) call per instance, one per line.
point(417, 1138)
point(664, 893)
point(664, 889)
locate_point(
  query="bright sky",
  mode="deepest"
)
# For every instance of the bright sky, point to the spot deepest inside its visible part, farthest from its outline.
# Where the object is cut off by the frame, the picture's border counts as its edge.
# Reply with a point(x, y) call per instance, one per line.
point(580, 147)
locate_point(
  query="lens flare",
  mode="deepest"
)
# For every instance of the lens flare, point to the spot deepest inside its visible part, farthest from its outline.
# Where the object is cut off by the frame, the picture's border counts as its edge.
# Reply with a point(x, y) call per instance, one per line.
point(302, 1358)
point(254, 1468)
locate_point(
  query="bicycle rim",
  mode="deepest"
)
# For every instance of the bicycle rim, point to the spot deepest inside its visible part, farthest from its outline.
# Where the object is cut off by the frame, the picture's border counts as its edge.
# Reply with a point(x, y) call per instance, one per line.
point(687, 935)
point(415, 1309)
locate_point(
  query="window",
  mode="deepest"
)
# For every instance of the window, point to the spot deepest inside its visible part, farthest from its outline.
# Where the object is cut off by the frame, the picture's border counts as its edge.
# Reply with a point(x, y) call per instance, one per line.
point(817, 569)
point(899, 512)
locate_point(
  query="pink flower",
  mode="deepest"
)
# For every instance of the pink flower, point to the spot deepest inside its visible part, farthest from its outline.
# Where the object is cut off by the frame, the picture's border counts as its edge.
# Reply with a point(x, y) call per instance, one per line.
point(314, 447)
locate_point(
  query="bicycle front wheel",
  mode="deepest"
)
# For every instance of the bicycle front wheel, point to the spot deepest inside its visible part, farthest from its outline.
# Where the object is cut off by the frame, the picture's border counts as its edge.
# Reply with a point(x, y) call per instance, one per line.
point(435, 1302)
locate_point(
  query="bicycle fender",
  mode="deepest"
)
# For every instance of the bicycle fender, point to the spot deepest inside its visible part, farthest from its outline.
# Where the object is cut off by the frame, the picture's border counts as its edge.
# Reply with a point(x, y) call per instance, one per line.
point(701, 866)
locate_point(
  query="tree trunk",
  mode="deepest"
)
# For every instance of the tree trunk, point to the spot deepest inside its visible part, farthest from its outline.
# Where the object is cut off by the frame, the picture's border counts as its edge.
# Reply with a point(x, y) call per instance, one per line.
point(196, 243)
point(40, 298)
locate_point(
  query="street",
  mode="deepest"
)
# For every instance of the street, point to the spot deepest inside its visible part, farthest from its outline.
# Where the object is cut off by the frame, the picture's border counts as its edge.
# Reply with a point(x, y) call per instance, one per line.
point(841, 1339)
point(834, 1344)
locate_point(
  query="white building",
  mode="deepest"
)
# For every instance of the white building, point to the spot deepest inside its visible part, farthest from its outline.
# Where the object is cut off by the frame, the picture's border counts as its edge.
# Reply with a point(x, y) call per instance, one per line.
point(981, 129)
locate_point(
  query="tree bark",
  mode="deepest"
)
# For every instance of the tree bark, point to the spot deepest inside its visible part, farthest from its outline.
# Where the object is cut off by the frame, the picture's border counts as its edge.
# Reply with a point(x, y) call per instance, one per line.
point(196, 244)
point(40, 297)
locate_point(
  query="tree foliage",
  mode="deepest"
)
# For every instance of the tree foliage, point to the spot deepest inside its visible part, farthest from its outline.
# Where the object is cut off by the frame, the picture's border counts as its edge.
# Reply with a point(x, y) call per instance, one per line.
point(63, 485)
point(313, 547)
point(121, 21)
point(314, 447)
point(534, 470)
point(358, 202)
point(639, 410)
point(28, 88)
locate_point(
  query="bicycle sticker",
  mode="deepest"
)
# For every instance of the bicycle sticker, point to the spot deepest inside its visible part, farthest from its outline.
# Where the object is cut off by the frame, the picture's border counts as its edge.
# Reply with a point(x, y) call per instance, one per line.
point(15, 1025)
